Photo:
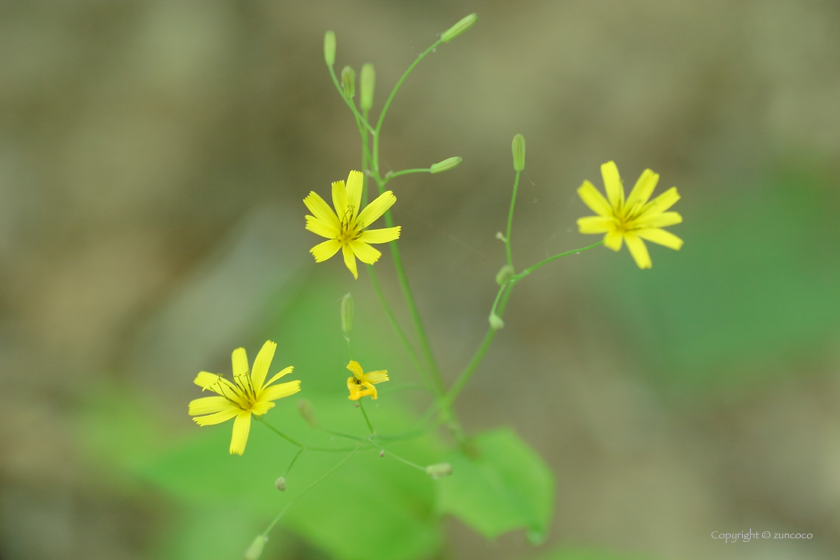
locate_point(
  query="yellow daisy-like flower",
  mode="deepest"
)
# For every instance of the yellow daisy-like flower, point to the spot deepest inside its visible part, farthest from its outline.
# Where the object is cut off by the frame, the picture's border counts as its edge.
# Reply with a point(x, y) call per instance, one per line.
point(345, 228)
point(362, 384)
point(247, 394)
point(633, 219)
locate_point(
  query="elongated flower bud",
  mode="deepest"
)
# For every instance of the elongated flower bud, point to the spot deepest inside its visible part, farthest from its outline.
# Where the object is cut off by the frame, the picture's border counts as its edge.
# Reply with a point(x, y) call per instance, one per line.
point(308, 413)
point(496, 322)
point(347, 309)
point(459, 28)
point(438, 470)
point(348, 81)
point(367, 81)
point(256, 549)
point(329, 48)
point(505, 273)
point(518, 152)
point(445, 165)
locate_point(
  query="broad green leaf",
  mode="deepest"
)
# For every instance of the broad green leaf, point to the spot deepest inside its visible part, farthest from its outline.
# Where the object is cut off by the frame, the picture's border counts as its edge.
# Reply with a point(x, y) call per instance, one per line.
point(501, 485)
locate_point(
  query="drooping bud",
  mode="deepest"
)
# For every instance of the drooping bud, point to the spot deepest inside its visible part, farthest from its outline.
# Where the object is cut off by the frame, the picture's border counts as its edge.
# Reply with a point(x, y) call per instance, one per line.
point(308, 413)
point(347, 308)
point(459, 28)
point(496, 322)
point(382, 453)
point(280, 483)
point(504, 275)
point(256, 549)
point(439, 470)
point(518, 152)
point(367, 81)
point(329, 48)
point(445, 165)
point(348, 82)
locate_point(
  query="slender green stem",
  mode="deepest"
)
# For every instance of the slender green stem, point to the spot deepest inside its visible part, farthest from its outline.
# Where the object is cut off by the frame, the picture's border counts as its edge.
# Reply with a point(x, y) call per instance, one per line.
point(389, 176)
point(370, 426)
point(412, 354)
point(400, 459)
point(499, 305)
point(531, 269)
point(341, 435)
point(306, 447)
point(510, 220)
point(289, 468)
point(310, 487)
point(279, 433)
point(388, 103)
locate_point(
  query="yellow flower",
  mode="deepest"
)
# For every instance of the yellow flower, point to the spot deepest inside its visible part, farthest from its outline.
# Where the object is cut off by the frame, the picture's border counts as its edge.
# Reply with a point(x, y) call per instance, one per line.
point(630, 220)
point(345, 228)
point(247, 394)
point(362, 384)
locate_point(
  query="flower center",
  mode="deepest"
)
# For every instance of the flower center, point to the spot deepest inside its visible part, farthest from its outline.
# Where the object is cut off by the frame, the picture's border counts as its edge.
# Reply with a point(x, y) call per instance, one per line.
point(350, 229)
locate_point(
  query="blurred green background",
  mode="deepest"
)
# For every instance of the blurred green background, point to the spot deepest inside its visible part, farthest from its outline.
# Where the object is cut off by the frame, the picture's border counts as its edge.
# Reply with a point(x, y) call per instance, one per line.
point(153, 160)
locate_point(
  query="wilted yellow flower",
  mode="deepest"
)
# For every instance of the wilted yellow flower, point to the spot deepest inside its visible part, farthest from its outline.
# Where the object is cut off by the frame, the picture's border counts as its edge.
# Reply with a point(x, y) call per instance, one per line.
point(630, 220)
point(362, 384)
point(345, 228)
point(247, 394)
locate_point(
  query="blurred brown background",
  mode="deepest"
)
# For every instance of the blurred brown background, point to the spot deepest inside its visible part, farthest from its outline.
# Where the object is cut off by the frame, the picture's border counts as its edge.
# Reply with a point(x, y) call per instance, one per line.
point(153, 159)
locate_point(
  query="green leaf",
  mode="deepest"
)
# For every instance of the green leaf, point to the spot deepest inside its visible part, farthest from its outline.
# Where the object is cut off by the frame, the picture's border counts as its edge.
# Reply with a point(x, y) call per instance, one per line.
point(500, 486)
point(587, 554)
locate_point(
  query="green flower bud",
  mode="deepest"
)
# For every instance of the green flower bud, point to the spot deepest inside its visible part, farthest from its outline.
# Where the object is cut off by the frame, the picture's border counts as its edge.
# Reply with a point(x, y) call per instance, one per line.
point(504, 275)
point(367, 81)
point(329, 48)
point(496, 322)
point(445, 165)
point(459, 28)
point(348, 82)
point(256, 549)
point(439, 470)
point(280, 483)
point(347, 308)
point(308, 413)
point(518, 152)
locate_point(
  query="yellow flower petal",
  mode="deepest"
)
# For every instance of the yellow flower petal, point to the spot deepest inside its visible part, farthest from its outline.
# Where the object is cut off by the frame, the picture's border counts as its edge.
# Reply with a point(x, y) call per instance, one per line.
point(596, 224)
point(376, 208)
point(240, 363)
point(613, 240)
point(612, 182)
point(241, 428)
point(319, 208)
point(261, 407)
point(339, 196)
point(357, 370)
point(371, 390)
point(217, 418)
point(209, 405)
point(215, 383)
point(377, 376)
point(261, 364)
point(350, 260)
point(661, 237)
point(322, 228)
point(353, 388)
point(281, 390)
point(643, 189)
point(638, 250)
point(661, 203)
point(281, 373)
point(595, 200)
point(365, 252)
point(325, 250)
point(383, 235)
point(664, 219)
point(355, 181)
